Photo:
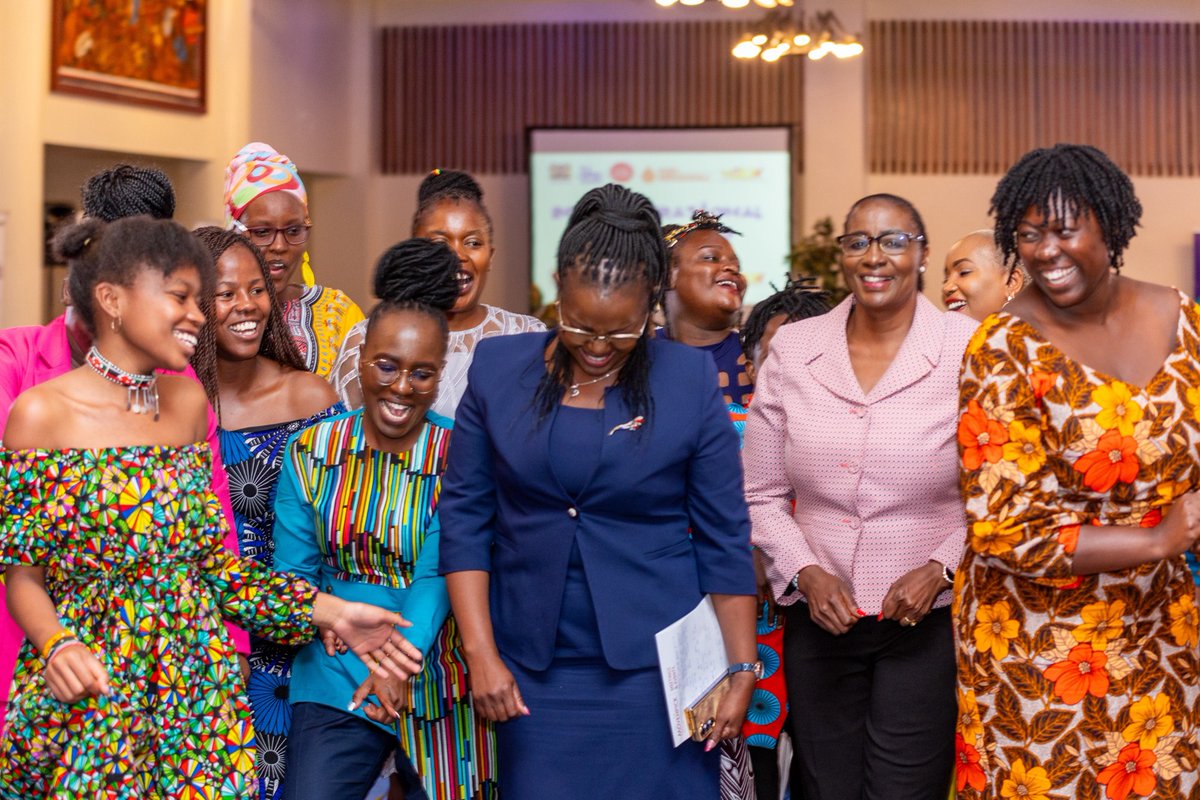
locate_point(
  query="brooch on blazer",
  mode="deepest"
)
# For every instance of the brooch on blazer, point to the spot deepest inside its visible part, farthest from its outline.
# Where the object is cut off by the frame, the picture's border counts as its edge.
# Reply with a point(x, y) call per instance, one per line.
point(632, 425)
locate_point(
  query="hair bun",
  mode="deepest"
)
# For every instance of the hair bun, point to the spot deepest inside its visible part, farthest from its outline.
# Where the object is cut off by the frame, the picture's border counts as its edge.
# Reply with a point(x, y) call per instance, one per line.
point(449, 183)
point(418, 271)
point(72, 241)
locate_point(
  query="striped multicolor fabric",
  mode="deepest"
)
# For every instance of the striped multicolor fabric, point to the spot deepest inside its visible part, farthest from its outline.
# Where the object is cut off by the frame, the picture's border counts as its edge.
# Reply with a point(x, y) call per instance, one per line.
point(373, 511)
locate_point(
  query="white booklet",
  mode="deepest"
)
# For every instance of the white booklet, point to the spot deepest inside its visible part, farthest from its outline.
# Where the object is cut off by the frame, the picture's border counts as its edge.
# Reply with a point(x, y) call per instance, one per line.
point(691, 656)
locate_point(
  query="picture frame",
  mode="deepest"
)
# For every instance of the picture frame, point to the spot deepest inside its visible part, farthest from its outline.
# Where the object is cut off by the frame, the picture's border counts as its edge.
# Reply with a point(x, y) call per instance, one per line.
point(152, 52)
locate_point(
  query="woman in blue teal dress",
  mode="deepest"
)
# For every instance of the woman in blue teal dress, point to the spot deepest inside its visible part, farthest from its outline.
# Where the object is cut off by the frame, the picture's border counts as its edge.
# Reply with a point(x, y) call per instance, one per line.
point(263, 393)
point(356, 513)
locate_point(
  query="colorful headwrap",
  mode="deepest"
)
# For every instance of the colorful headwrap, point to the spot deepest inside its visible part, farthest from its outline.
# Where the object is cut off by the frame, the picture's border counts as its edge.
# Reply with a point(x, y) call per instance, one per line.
point(701, 220)
point(257, 169)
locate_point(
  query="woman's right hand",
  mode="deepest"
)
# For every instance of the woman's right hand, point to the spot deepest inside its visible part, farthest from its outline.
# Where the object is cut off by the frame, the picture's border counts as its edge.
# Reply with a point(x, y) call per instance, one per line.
point(494, 689)
point(1180, 529)
point(829, 600)
point(75, 673)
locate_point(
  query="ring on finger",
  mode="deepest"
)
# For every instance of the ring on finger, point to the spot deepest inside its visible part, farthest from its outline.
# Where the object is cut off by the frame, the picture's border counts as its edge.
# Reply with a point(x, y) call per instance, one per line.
point(907, 622)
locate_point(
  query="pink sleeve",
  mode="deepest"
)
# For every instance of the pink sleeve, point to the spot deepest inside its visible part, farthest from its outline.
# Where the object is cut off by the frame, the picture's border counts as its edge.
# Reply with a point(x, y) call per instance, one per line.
point(220, 487)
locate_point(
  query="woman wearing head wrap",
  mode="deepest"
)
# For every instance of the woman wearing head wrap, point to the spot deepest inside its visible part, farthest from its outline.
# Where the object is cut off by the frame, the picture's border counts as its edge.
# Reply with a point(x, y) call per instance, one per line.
point(265, 201)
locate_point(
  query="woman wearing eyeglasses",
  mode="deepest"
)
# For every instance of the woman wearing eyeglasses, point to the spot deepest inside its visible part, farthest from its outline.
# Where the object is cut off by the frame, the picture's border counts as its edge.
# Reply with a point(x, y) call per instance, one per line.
point(356, 514)
point(852, 481)
point(581, 460)
point(266, 201)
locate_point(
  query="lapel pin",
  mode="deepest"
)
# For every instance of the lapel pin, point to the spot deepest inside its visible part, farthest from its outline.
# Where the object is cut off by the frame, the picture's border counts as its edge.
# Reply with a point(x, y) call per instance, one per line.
point(632, 425)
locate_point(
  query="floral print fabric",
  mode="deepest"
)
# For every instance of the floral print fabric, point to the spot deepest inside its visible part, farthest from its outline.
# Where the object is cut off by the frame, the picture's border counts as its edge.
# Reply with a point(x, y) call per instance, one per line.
point(131, 541)
point(1073, 686)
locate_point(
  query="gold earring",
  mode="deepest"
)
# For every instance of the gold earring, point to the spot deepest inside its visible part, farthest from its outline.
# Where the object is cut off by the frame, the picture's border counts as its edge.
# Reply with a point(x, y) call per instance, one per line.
point(115, 323)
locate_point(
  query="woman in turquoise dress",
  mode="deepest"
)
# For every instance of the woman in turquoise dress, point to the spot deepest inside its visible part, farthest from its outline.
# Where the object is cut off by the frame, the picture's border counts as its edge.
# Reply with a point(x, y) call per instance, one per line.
point(356, 514)
point(127, 686)
point(263, 393)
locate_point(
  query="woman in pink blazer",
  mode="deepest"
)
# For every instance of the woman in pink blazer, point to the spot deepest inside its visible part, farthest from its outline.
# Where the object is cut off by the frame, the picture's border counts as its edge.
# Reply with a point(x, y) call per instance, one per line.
point(853, 424)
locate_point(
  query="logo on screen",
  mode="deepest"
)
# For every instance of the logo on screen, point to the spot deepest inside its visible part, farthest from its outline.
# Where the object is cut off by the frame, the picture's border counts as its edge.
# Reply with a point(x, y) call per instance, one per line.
point(560, 172)
point(742, 173)
point(621, 172)
point(589, 176)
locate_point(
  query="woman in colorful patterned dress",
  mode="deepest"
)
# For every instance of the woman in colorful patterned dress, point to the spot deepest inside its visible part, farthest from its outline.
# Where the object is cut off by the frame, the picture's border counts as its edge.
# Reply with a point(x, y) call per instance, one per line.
point(266, 200)
point(263, 394)
point(356, 512)
point(127, 685)
point(450, 209)
point(1074, 611)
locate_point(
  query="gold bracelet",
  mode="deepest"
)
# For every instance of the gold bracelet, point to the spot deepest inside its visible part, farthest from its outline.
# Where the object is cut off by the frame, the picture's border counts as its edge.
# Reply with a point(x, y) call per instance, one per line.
point(55, 639)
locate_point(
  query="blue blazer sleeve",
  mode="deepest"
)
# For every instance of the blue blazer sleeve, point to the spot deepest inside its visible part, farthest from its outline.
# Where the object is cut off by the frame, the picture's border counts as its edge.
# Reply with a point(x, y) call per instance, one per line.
point(295, 531)
point(716, 502)
point(467, 506)
point(427, 603)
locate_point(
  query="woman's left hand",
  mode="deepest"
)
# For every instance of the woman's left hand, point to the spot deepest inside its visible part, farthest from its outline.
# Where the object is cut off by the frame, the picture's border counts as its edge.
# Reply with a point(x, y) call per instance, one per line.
point(731, 713)
point(371, 633)
point(909, 599)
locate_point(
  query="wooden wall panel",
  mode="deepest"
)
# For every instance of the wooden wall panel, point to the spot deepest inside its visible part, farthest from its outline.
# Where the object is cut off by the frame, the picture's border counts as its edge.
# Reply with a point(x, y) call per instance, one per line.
point(464, 97)
point(973, 96)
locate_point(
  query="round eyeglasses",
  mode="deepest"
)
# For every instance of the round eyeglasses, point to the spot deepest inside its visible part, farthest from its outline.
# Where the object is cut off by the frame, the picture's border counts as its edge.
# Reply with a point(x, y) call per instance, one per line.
point(264, 235)
point(891, 242)
point(384, 372)
point(591, 336)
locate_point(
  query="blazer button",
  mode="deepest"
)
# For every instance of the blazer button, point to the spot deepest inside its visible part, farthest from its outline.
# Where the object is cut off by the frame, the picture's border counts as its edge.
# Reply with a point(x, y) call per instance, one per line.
point(572, 513)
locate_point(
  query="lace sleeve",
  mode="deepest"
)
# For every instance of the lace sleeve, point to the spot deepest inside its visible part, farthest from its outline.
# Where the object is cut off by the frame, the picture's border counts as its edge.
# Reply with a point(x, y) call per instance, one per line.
point(344, 375)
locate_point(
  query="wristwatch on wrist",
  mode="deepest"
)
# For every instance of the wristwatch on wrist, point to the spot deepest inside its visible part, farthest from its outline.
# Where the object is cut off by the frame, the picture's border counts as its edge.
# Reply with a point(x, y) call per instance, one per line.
point(747, 666)
point(947, 574)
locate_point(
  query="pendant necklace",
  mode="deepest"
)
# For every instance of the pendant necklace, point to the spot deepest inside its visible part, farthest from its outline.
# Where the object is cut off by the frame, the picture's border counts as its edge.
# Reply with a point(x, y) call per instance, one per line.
point(574, 390)
point(142, 390)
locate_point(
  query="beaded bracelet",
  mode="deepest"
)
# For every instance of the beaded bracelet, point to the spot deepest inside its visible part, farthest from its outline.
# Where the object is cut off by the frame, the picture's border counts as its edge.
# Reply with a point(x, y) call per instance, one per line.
point(58, 648)
point(55, 639)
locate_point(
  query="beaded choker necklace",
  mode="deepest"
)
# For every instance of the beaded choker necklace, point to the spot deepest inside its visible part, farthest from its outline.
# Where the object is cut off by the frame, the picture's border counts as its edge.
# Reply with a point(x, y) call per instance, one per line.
point(142, 390)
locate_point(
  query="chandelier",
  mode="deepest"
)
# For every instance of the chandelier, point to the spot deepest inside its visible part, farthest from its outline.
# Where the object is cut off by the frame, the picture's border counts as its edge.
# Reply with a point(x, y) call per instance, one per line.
point(784, 33)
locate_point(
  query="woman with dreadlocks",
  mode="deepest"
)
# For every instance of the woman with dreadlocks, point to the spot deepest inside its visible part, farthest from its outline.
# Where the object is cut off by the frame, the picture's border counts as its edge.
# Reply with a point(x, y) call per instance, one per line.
point(582, 457)
point(263, 393)
point(852, 482)
point(1076, 620)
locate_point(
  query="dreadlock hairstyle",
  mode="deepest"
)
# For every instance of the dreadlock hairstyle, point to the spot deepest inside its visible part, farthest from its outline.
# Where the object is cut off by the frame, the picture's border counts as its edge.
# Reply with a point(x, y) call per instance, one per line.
point(613, 238)
point(800, 298)
point(416, 275)
point(128, 191)
point(277, 343)
point(117, 252)
point(900, 202)
point(1071, 178)
point(701, 221)
point(448, 185)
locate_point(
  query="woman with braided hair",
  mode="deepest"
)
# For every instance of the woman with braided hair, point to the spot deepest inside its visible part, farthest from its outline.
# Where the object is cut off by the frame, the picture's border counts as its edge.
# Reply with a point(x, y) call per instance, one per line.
point(262, 392)
point(450, 209)
point(1075, 613)
point(581, 460)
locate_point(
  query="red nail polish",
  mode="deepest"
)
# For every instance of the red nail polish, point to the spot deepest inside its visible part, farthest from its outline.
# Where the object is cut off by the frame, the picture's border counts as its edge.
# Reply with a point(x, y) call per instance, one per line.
point(861, 613)
point(880, 617)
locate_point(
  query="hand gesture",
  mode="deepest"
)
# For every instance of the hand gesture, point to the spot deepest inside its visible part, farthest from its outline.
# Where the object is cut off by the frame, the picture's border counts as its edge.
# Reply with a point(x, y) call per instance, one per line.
point(75, 673)
point(494, 690)
point(391, 693)
point(371, 633)
point(911, 596)
point(829, 600)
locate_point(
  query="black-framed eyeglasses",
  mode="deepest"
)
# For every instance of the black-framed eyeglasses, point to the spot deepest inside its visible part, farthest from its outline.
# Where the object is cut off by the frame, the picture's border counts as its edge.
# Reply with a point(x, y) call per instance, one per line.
point(384, 372)
point(264, 235)
point(891, 242)
point(592, 336)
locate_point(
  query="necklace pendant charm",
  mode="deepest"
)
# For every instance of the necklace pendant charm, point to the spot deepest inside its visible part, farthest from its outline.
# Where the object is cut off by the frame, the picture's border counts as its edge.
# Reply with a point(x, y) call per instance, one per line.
point(574, 390)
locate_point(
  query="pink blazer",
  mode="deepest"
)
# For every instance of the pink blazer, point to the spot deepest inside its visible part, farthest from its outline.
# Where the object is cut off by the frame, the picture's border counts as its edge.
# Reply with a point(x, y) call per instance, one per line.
point(874, 476)
point(35, 354)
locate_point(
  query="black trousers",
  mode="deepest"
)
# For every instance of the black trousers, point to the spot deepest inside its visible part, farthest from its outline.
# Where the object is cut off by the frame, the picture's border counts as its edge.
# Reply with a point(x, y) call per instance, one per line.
point(873, 710)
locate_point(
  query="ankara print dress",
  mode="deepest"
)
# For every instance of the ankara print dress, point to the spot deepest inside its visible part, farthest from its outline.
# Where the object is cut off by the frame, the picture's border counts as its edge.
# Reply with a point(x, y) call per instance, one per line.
point(253, 458)
point(1073, 686)
point(131, 540)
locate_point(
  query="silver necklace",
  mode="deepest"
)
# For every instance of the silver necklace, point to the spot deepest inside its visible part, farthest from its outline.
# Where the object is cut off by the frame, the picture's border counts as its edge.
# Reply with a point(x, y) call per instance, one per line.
point(574, 390)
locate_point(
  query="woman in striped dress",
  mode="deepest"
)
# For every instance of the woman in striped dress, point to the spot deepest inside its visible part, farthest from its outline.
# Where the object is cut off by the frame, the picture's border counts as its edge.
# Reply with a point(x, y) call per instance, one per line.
point(356, 512)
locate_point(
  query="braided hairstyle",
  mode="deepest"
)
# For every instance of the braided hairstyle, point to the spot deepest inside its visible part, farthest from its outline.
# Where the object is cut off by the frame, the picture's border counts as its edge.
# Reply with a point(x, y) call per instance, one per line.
point(800, 298)
point(448, 185)
point(1070, 178)
point(416, 275)
point(900, 202)
point(613, 238)
point(117, 252)
point(127, 191)
point(277, 343)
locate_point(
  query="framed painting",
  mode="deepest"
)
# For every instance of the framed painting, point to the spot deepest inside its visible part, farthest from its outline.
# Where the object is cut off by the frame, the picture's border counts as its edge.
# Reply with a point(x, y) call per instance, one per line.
point(149, 52)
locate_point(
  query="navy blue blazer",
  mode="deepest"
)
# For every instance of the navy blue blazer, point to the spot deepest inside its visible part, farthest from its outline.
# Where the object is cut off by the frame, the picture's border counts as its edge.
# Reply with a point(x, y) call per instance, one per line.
point(503, 511)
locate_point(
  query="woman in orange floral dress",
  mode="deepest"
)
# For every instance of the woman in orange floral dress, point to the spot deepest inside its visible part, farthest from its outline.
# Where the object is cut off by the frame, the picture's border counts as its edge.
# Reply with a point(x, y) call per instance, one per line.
point(1074, 608)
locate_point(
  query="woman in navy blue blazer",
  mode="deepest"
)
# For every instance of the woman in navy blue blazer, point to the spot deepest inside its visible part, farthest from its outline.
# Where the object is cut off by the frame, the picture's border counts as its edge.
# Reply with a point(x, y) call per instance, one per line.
point(593, 496)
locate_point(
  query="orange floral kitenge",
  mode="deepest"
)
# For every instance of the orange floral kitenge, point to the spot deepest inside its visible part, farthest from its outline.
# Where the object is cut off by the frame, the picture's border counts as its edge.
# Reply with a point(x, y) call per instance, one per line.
point(1074, 686)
